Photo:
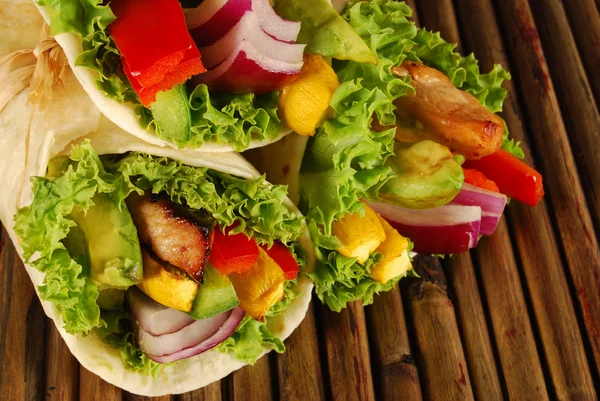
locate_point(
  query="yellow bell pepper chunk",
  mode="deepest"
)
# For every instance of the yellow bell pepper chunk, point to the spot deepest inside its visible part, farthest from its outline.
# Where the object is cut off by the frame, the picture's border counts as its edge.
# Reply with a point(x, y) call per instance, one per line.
point(167, 285)
point(303, 102)
point(395, 255)
point(359, 235)
point(260, 287)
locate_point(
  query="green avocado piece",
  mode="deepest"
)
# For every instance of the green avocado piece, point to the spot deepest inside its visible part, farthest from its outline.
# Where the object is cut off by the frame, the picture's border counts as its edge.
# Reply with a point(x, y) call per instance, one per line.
point(427, 175)
point(108, 298)
point(106, 239)
point(215, 295)
point(171, 113)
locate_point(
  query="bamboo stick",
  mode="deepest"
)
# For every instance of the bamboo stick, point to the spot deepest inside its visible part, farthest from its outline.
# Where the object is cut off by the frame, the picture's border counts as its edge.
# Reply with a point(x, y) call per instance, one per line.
point(471, 319)
point(545, 278)
point(212, 392)
point(299, 369)
point(585, 24)
point(347, 348)
point(580, 113)
point(439, 15)
point(396, 376)
point(440, 355)
point(583, 121)
point(254, 382)
point(92, 387)
point(22, 323)
point(62, 369)
point(507, 309)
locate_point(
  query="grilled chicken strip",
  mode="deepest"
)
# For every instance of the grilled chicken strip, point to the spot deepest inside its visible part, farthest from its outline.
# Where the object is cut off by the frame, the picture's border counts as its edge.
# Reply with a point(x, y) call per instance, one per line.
point(171, 232)
point(444, 114)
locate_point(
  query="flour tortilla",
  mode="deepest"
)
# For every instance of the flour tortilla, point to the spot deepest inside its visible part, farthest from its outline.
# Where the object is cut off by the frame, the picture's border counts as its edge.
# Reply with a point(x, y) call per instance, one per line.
point(123, 114)
point(29, 136)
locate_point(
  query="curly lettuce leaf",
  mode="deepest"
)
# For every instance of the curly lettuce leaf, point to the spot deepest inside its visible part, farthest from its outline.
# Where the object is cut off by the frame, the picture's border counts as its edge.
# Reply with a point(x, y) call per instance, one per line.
point(78, 16)
point(257, 207)
point(324, 31)
point(250, 340)
point(225, 118)
point(42, 226)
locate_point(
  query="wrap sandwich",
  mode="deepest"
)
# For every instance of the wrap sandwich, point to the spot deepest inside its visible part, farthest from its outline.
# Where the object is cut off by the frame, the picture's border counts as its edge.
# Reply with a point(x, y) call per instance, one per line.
point(163, 270)
point(409, 156)
point(192, 74)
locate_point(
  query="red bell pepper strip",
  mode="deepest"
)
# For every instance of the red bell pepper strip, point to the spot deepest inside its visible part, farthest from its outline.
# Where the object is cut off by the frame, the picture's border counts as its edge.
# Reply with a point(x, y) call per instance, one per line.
point(477, 178)
point(156, 48)
point(513, 177)
point(284, 258)
point(232, 253)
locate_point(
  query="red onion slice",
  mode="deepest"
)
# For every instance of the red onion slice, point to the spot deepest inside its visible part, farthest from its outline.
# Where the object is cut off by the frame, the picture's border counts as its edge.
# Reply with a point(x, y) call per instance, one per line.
point(445, 229)
point(489, 201)
point(248, 71)
point(212, 19)
point(248, 29)
point(194, 339)
point(154, 318)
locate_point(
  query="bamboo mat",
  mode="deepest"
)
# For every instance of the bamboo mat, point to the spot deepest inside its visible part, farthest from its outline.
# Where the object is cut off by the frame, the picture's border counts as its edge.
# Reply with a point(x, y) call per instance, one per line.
point(518, 318)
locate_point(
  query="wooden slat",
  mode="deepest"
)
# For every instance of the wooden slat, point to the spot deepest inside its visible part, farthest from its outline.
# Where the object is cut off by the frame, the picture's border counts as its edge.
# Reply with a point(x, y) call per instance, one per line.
point(92, 388)
point(582, 120)
point(22, 326)
point(440, 356)
point(580, 113)
point(439, 16)
point(347, 350)
point(585, 25)
point(471, 320)
point(545, 278)
point(212, 392)
point(62, 369)
point(254, 382)
point(396, 376)
point(515, 342)
point(299, 369)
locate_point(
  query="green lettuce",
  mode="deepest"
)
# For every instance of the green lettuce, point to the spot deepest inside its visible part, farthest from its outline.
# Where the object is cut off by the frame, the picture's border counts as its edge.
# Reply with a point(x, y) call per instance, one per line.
point(324, 31)
point(225, 118)
point(249, 341)
point(43, 226)
point(345, 160)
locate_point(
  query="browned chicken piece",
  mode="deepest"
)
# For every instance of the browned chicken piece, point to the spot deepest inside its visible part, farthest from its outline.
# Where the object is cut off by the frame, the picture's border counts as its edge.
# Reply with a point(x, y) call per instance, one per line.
point(444, 114)
point(171, 233)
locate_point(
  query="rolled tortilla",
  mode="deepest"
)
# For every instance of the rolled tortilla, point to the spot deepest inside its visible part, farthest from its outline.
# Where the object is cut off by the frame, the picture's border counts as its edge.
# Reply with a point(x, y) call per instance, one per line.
point(31, 134)
point(123, 114)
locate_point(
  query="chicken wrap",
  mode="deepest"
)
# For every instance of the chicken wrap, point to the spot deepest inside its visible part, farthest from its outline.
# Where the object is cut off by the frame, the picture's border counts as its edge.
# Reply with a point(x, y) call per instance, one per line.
point(163, 270)
point(408, 154)
point(192, 74)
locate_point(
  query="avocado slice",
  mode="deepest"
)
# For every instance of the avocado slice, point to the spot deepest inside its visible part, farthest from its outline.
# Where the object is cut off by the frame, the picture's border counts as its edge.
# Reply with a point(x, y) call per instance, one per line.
point(107, 238)
point(216, 295)
point(108, 298)
point(171, 113)
point(427, 175)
